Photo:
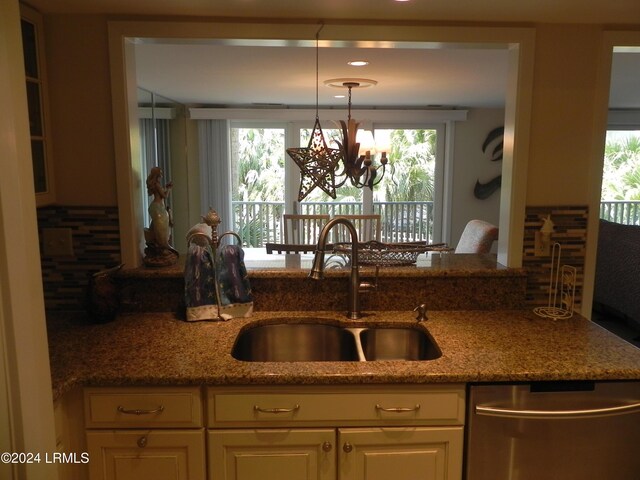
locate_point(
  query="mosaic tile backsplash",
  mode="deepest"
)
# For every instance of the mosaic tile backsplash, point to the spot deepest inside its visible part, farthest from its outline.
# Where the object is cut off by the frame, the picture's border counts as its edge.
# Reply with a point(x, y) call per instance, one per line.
point(570, 231)
point(96, 246)
point(95, 237)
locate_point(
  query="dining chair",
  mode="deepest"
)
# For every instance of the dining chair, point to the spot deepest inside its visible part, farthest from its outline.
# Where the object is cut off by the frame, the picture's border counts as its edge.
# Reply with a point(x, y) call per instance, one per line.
point(367, 226)
point(302, 229)
point(477, 237)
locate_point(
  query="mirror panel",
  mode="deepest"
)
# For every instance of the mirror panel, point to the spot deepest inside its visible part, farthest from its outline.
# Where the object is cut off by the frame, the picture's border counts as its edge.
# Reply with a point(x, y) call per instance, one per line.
point(164, 143)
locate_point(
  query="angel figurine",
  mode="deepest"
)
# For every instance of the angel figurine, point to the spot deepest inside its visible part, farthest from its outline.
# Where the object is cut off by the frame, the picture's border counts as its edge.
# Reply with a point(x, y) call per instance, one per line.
point(159, 252)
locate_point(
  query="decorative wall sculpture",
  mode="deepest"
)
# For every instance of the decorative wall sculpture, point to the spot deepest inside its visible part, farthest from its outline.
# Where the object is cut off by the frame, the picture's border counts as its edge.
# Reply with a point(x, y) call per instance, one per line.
point(494, 137)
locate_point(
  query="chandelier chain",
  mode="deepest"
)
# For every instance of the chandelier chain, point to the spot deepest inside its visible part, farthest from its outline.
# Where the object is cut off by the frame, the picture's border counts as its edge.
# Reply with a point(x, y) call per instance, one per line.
point(318, 63)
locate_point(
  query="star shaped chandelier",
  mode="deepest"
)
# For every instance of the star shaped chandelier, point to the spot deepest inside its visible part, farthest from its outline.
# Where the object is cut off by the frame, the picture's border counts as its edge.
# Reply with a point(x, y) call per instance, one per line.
point(330, 168)
point(317, 164)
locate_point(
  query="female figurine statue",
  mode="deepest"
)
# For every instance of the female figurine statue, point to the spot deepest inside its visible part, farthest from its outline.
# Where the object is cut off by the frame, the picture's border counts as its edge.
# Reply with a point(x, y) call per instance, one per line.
point(159, 252)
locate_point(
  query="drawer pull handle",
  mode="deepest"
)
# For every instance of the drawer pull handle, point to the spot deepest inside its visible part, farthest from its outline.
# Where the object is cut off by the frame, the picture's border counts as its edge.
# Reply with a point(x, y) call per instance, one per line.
point(326, 447)
point(398, 409)
point(126, 411)
point(347, 447)
point(256, 408)
point(142, 441)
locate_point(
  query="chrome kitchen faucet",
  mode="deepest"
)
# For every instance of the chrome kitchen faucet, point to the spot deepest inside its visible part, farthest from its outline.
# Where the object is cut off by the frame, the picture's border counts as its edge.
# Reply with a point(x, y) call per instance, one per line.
point(317, 269)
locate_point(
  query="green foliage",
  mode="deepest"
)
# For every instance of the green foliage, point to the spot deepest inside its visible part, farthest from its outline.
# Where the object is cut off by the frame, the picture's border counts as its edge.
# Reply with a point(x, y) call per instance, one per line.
point(621, 175)
point(410, 175)
point(251, 233)
point(257, 164)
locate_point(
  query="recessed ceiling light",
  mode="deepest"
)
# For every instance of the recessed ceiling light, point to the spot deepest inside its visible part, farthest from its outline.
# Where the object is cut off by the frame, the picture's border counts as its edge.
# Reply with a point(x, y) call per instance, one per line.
point(358, 63)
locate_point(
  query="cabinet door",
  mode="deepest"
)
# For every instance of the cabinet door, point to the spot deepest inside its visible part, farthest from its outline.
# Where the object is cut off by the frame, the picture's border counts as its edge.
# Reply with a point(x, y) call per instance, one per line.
point(36, 81)
point(146, 454)
point(272, 454)
point(400, 453)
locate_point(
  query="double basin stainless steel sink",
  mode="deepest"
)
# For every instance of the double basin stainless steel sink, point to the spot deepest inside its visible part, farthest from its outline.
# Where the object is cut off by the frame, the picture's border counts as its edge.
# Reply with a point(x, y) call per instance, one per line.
point(314, 341)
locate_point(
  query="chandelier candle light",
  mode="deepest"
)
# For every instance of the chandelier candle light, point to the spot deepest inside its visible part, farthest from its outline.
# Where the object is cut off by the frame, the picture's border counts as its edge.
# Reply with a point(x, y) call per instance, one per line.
point(319, 164)
point(357, 167)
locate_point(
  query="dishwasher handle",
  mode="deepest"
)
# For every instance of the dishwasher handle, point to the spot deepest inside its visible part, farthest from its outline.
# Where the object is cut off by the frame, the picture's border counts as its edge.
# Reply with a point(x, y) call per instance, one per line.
point(493, 411)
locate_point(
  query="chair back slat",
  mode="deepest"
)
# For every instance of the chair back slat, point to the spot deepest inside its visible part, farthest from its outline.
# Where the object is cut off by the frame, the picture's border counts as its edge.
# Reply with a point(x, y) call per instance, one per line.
point(303, 229)
point(367, 226)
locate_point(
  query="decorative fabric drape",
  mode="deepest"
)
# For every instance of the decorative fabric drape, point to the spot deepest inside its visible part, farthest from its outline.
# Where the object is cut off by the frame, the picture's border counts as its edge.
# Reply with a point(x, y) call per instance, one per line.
point(215, 170)
point(216, 281)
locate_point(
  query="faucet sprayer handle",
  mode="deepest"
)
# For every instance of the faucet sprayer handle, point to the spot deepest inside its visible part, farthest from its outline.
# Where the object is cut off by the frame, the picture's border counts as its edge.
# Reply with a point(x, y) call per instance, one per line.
point(370, 286)
point(422, 312)
point(367, 287)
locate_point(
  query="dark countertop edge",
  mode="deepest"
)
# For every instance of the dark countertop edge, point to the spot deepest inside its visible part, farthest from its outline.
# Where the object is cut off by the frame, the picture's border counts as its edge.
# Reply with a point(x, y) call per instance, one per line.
point(467, 265)
point(393, 272)
point(341, 381)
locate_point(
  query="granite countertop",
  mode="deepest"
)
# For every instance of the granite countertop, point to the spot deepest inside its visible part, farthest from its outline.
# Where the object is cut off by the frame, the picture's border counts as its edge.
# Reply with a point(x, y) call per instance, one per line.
point(477, 346)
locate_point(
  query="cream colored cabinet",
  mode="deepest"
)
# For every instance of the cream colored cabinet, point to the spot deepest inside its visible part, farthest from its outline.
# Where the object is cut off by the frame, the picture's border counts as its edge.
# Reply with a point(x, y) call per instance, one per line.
point(136, 433)
point(70, 438)
point(138, 454)
point(272, 454)
point(38, 105)
point(406, 453)
point(310, 433)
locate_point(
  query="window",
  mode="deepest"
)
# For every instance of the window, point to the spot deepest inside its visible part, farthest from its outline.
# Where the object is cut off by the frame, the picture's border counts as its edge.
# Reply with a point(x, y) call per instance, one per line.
point(620, 197)
point(348, 198)
point(257, 178)
point(257, 164)
point(407, 197)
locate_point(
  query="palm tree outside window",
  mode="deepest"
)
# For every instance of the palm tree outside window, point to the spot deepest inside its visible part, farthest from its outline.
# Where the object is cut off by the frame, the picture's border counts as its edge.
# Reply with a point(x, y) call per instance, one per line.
point(620, 196)
point(406, 198)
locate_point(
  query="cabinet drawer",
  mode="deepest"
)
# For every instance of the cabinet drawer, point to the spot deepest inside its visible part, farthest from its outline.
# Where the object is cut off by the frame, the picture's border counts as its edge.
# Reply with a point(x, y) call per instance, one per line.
point(143, 407)
point(432, 405)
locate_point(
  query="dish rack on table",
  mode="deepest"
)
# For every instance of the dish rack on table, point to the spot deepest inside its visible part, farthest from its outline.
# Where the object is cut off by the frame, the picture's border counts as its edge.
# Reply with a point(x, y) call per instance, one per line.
point(389, 254)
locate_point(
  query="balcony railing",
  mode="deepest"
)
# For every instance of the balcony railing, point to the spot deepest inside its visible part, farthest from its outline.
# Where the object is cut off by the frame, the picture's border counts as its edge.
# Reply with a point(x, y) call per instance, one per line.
point(625, 212)
point(260, 222)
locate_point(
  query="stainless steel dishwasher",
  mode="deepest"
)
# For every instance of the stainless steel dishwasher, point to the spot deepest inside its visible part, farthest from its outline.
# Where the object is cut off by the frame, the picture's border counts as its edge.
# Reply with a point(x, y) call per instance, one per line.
point(554, 431)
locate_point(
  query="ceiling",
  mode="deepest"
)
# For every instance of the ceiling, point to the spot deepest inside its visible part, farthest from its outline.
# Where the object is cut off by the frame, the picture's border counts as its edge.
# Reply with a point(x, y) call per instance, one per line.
point(530, 11)
point(268, 76)
point(274, 76)
point(223, 74)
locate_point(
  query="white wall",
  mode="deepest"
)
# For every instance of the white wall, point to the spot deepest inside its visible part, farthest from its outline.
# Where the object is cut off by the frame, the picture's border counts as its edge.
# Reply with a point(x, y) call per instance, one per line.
point(471, 164)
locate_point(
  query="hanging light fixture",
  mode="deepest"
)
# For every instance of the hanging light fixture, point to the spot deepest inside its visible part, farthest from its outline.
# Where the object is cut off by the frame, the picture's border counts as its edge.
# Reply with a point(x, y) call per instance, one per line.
point(320, 165)
point(357, 167)
point(317, 162)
